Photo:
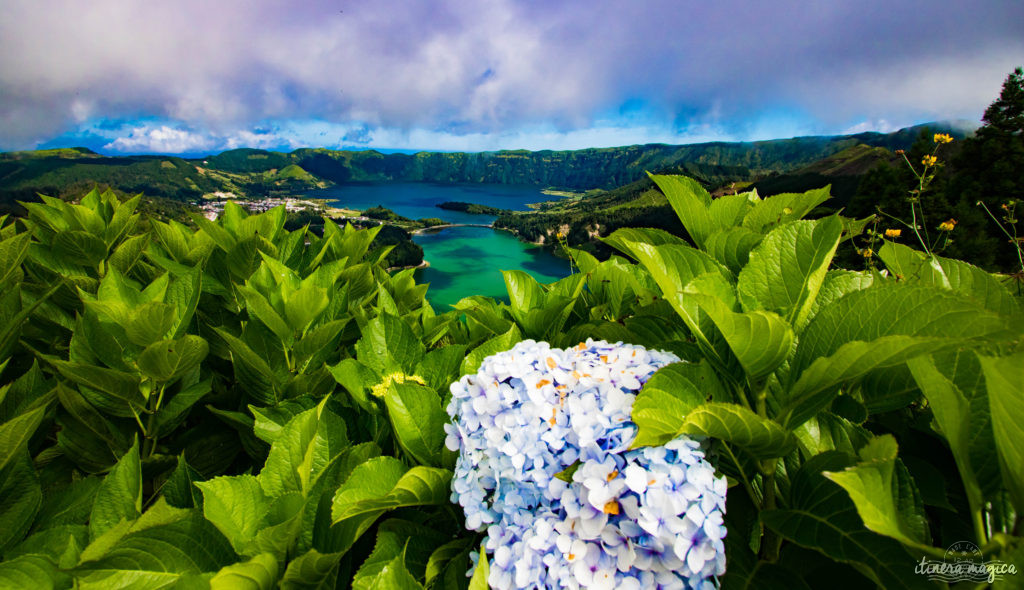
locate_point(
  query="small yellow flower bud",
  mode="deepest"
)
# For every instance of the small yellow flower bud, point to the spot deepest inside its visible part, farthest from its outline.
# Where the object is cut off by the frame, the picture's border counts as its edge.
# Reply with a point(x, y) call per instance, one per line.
point(893, 233)
point(942, 138)
point(929, 160)
point(382, 388)
point(947, 225)
point(867, 252)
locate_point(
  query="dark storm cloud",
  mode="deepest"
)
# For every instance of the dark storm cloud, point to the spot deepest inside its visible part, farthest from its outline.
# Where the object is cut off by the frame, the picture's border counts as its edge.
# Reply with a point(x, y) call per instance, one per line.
point(472, 68)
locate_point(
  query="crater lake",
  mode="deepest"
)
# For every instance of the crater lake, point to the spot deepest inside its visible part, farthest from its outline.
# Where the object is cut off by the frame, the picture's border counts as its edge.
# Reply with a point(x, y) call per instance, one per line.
point(463, 260)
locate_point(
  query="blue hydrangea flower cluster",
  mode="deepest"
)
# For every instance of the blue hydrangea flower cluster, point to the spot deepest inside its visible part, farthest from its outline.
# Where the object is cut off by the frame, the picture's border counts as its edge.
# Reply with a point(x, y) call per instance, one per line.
point(628, 519)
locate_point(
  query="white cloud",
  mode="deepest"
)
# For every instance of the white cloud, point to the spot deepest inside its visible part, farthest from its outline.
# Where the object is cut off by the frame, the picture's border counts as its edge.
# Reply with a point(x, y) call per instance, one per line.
point(462, 68)
point(161, 140)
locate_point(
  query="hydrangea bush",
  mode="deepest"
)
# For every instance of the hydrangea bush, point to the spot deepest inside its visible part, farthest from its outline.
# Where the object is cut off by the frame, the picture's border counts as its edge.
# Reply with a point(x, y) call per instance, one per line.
point(546, 469)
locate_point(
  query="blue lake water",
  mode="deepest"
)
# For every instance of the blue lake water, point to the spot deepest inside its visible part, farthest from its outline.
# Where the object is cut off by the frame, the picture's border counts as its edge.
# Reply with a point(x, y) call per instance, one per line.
point(417, 200)
point(464, 261)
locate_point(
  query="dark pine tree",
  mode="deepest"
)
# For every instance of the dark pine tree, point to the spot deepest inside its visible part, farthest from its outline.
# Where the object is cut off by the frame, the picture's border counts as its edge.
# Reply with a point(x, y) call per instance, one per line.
point(990, 167)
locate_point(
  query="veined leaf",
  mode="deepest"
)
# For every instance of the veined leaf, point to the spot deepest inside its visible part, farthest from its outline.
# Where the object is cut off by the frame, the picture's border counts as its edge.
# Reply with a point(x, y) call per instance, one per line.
point(1004, 377)
point(952, 274)
point(620, 238)
point(395, 576)
point(188, 545)
point(311, 571)
point(735, 424)
point(124, 257)
point(260, 308)
point(417, 419)
point(837, 284)
point(236, 505)
point(674, 267)
point(690, 201)
point(220, 236)
point(71, 505)
point(160, 513)
point(480, 573)
point(31, 571)
point(876, 328)
point(80, 247)
point(12, 252)
point(524, 292)
point(251, 370)
point(304, 306)
point(180, 490)
point(885, 390)
point(119, 497)
point(319, 531)
point(953, 417)
point(828, 432)
point(398, 538)
point(63, 544)
point(317, 345)
point(167, 360)
point(389, 345)
point(760, 340)
point(270, 420)
point(493, 346)
point(25, 393)
point(14, 435)
point(884, 493)
point(668, 396)
point(440, 366)
point(172, 239)
point(728, 211)
point(384, 484)
point(124, 387)
point(259, 573)
point(821, 516)
point(170, 415)
point(302, 450)
point(20, 498)
point(123, 219)
point(444, 554)
point(356, 378)
point(183, 293)
point(732, 246)
point(788, 268)
point(783, 208)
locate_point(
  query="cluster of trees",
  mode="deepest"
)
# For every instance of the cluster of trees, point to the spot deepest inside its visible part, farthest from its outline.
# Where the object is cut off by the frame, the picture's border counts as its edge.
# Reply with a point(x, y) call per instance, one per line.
point(383, 214)
point(471, 208)
point(405, 252)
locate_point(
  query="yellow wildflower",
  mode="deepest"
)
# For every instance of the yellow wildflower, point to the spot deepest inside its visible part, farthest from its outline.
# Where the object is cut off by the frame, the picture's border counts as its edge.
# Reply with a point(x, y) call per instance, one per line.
point(947, 225)
point(893, 233)
point(929, 160)
point(942, 138)
point(867, 252)
point(381, 388)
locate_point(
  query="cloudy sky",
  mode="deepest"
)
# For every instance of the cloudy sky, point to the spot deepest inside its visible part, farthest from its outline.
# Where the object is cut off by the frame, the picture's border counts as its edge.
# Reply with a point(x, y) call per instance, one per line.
point(198, 76)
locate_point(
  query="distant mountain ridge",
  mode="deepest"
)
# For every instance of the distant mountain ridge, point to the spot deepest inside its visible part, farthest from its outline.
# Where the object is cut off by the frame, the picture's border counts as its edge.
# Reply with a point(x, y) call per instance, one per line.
point(253, 172)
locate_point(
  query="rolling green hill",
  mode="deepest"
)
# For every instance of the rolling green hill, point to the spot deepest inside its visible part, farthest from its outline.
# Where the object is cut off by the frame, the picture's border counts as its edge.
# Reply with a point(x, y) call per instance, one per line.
point(256, 173)
point(584, 219)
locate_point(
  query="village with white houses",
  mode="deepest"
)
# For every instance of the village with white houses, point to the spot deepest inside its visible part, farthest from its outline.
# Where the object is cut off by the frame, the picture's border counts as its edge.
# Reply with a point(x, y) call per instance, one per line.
point(213, 205)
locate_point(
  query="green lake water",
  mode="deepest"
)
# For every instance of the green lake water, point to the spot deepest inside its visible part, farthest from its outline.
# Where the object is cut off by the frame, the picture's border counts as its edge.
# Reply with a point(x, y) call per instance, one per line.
point(464, 261)
point(468, 261)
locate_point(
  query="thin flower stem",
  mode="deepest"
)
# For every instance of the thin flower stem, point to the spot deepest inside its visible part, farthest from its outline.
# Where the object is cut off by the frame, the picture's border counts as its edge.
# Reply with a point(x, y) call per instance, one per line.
point(1013, 238)
point(743, 476)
